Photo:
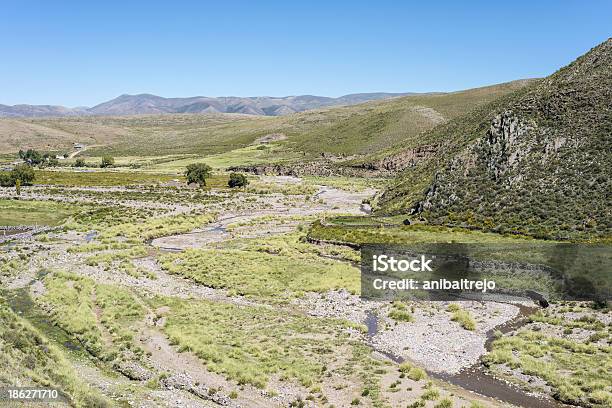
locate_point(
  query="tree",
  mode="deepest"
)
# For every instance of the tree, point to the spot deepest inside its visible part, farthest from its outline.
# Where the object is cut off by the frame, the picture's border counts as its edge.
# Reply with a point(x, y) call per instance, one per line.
point(52, 161)
point(107, 161)
point(237, 180)
point(18, 186)
point(197, 173)
point(5, 180)
point(24, 173)
point(79, 163)
point(31, 156)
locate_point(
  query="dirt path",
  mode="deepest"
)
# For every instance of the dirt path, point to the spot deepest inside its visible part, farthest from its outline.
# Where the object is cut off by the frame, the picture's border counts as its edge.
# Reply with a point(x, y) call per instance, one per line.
point(77, 152)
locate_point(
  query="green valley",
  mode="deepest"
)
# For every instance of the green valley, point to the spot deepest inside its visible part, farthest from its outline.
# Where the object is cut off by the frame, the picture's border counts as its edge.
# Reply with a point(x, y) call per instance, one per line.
point(192, 257)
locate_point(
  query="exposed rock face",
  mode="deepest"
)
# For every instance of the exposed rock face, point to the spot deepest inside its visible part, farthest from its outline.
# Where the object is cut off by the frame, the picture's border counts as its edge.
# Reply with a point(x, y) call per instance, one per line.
point(402, 160)
point(502, 144)
point(324, 168)
point(339, 166)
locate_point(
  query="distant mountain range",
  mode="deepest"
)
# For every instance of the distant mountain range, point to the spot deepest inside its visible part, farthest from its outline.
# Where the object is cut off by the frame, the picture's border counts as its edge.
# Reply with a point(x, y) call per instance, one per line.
point(152, 104)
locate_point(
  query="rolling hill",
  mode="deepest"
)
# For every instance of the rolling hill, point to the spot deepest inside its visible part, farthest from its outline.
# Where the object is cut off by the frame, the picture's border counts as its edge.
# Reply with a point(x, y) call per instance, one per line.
point(534, 162)
point(344, 131)
point(26, 111)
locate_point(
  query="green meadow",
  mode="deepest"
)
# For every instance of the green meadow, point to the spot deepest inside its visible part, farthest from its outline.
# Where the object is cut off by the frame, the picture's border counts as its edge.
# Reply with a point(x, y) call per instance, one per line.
point(22, 212)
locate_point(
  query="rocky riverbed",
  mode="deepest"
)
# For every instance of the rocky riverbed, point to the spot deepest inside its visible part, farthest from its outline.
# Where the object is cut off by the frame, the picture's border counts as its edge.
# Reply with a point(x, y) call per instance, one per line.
point(432, 340)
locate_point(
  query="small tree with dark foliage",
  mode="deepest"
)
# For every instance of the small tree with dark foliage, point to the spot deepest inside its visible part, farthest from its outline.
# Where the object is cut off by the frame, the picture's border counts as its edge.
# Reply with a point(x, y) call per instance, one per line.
point(31, 156)
point(237, 180)
point(107, 161)
point(50, 161)
point(24, 173)
point(198, 173)
point(5, 180)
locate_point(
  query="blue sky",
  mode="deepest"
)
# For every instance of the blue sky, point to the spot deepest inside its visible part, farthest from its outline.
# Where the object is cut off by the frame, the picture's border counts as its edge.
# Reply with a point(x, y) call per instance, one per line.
point(83, 53)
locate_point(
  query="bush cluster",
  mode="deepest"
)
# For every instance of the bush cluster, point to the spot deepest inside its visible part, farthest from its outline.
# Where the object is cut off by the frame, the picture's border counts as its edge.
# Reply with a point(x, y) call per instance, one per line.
point(22, 173)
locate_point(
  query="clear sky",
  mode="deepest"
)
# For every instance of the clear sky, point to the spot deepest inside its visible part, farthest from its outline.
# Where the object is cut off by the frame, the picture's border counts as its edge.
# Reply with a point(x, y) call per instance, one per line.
point(86, 52)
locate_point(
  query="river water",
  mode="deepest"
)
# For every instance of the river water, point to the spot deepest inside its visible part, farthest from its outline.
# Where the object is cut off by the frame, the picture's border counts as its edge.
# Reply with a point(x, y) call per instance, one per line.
point(22, 303)
point(475, 378)
point(6, 233)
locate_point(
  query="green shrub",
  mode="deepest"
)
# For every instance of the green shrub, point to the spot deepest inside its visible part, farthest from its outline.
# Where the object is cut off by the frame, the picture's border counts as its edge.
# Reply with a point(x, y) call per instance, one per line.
point(464, 318)
point(569, 394)
point(197, 173)
point(237, 180)
point(401, 315)
point(444, 403)
point(601, 397)
point(417, 374)
point(405, 367)
point(22, 172)
point(453, 307)
point(431, 394)
point(107, 161)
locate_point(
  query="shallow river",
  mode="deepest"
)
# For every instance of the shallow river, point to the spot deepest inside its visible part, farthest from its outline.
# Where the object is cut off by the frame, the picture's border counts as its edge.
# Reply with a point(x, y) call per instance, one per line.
point(476, 378)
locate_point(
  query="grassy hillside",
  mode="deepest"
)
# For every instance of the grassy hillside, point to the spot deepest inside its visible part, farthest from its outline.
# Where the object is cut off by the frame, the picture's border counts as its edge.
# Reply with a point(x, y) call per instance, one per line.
point(136, 134)
point(358, 129)
point(535, 162)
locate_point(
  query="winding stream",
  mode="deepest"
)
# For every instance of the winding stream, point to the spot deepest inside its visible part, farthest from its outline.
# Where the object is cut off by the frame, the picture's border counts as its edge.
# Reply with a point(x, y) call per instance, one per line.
point(9, 234)
point(476, 378)
point(215, 232)
point(20, 301)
